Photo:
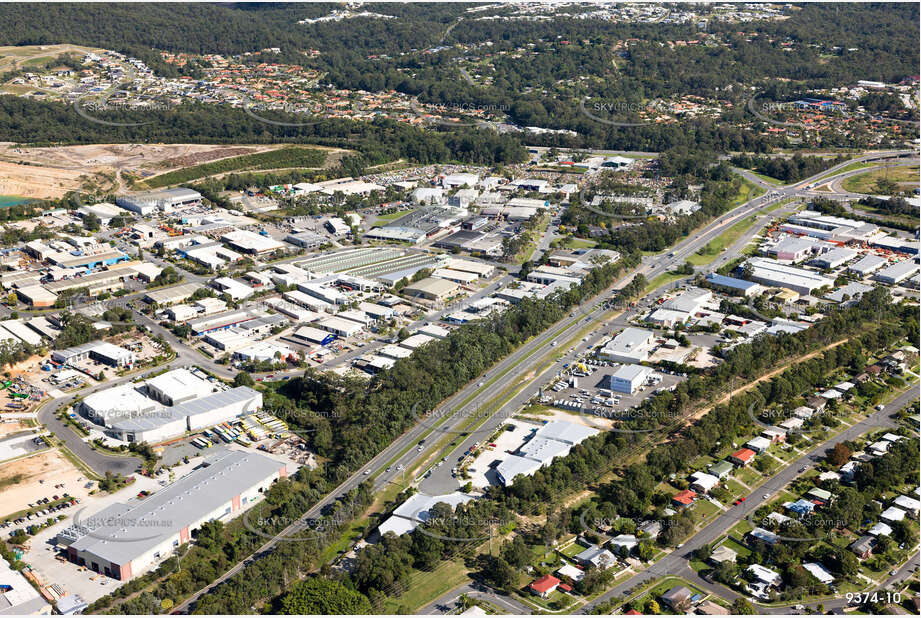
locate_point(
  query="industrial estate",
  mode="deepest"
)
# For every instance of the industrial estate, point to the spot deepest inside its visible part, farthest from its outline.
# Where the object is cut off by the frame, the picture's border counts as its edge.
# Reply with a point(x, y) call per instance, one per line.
point(367, 350)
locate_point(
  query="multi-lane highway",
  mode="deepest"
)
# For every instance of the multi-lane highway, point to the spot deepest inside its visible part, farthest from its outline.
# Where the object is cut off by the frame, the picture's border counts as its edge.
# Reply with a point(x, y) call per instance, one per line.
point(518, 368)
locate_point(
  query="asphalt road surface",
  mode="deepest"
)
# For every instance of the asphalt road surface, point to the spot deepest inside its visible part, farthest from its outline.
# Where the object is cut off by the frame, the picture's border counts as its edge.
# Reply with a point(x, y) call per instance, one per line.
point(514, 367)
point(676, 562)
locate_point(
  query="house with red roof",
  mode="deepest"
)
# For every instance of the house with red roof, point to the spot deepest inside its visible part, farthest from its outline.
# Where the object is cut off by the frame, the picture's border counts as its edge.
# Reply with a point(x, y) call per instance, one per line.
point(742, 457)
point(544, 586)
point(684, 498)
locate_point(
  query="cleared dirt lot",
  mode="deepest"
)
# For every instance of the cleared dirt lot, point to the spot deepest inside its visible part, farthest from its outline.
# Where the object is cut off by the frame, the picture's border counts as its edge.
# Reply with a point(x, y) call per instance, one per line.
point(51, 172)
point(20, 480)
point(39, 182)
point(24, 56)
point(9, 427)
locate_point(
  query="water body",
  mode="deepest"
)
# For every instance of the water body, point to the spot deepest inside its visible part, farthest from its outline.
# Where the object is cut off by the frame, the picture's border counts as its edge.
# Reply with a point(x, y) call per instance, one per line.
point(13, 200)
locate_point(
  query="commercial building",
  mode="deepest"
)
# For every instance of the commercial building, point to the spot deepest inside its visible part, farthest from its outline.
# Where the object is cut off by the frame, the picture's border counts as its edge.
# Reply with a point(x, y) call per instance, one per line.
point(414, 342)
point(36, 296)
point(146, 271)
point(306, 240)
point(251, 243)
point(89, 259)
point(261, 351)
point(553, 439)
point(431, 288)
point(628, 378)
point(291, 310)
point(690, 301)
point(95, 283)
point(775, 274)
point(233, 288)
point(455, 181)
point(513, 466)
point(325, 293)
point(867, 264)
point(456, 276)
point(898, 272)
point(38, 250)
point(156, 424)
point(127, 538)
point(17, 596)
point(175, 294)
point(103, 210)
point(339, 326)
point(417, 509)
point(546, 275)
point(229, 340)
point(307, 335)
point(337, 227)
point(307, 301)
point(851, 291)
point(212, 255)
point(165, 200)
point(177, 386)
point(433, 330)
point(224, 320)
point(22, 332)
point(895, 243)
point(481, 269)
point(563, 431)
point(834, 258)
point(794, 248)
point(102, 351)
point(632, 345)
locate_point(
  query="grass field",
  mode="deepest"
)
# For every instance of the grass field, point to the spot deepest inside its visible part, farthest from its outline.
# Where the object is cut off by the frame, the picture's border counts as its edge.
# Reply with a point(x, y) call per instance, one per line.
point(578, 243)
point(708, 253)
point(272, 159)
point(866, 183)
point(427, 586)
point(662, 279)
point(737, 547)
point(770, 179)
point(393, 216)
point(856, 165)
point(747, 191)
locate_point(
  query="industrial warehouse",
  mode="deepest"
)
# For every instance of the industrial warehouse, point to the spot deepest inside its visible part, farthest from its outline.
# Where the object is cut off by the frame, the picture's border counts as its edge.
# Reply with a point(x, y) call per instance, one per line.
point(126, 538)
point(165, 407)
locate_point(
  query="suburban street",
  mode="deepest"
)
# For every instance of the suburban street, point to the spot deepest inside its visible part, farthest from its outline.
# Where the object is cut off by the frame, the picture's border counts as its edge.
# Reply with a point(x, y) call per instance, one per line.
point(676, 562)
point(401, 460)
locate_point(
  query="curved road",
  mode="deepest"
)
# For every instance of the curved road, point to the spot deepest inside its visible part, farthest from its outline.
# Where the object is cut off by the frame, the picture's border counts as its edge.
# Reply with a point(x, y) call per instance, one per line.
point(515, 368)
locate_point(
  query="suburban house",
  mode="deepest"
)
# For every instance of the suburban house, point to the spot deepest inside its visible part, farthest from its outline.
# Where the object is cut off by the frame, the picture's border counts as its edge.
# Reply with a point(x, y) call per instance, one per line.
point(742, 457)
point(544, 586)
point(863, 547)
point(684, 498)
point(597, 557)
point(678, 598)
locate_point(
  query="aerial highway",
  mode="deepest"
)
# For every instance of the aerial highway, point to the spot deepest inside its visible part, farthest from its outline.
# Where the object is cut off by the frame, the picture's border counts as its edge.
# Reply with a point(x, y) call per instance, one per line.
point(528, 366)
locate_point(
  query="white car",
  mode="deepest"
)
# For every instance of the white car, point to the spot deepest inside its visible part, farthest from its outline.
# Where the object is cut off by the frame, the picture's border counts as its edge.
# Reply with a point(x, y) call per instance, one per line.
point(766, 496)
point(368, 471)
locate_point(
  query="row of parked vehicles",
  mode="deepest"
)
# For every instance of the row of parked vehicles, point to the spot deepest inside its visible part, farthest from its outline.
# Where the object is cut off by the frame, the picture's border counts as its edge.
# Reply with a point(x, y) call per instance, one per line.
point(45, 512)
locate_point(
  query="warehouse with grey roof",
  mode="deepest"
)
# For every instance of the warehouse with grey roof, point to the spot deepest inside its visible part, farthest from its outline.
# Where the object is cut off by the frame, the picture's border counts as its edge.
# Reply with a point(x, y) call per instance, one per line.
point(127, 538)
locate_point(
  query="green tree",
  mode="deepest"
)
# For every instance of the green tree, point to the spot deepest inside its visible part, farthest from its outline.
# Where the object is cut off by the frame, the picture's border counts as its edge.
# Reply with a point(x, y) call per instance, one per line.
point(742, 607)
point(91, 222)
point(318, 595)
point(243, 379)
